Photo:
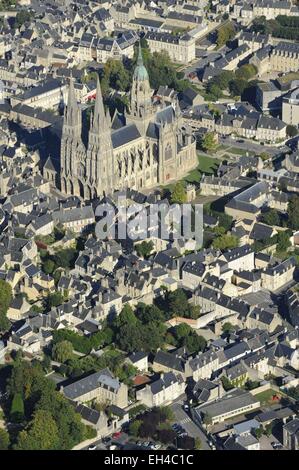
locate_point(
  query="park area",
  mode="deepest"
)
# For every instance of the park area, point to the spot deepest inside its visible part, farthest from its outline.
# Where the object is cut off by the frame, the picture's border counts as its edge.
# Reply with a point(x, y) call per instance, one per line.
point(206, 165)
point(268, 397)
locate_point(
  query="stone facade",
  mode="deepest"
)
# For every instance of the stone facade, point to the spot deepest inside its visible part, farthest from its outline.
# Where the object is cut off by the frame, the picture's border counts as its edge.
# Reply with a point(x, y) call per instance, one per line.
point(154, 147)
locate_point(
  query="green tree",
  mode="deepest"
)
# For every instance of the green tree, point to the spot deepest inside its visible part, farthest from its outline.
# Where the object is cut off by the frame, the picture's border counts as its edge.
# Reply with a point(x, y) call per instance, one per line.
point(194, 342)
point(268, 429)
point(208, 142)
point(197, 443)
point(5, 296)
point(54, 300)
point(227, 327)
point(246, 72)
point(224, 34)
point(116, 75)
point(46, 363)
point(65, 258)
point(71, 431)
point(149, 313)
point(271, 218)
point(144, 248)
point(166, 435)
point(135, 427)
point(4, 439)
point(222, 80)
point(227, 385)
point(293, 213)
point(62, 351)
point(177, 303)
point(264, 156)
point(261, 25)
point(207, 419)
point(178, 193)
point(40, 434)
point(5, 300)
point(283, 241)
point(225, 242)
point(238, 86)
point(182, 330)
point(258, 432)
point(292, 131)
point(214, 91)
point(17, 409)
point(22, 17)
point(48, 266)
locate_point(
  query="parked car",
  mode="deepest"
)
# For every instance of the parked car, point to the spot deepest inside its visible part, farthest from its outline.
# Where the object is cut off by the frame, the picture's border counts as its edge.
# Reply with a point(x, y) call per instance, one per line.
point(106, 440)
point(156, 446)
point(117, 435)
point(92, 447)
point(175, 426)
point(276, 445)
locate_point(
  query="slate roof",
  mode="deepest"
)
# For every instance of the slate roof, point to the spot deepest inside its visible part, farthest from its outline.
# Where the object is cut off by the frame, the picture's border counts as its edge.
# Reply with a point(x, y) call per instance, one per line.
point(124, 135)
point(103, 379)
point(165, 381)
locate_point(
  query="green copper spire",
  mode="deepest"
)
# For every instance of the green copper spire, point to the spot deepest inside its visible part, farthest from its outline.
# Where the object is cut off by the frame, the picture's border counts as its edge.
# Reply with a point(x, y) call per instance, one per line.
point(140, 72)
point(140, 58)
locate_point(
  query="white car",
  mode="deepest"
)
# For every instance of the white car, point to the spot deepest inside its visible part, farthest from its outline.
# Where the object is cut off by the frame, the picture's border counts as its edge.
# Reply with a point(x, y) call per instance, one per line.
point(92, 447)
point(156, 446)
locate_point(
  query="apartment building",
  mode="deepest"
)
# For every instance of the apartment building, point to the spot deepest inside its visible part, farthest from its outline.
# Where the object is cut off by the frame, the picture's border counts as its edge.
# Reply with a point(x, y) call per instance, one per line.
point(290, 107)
point(285, 57)
point(179, 48)
point(101, 386)
point(162, 391)
point(276, 276)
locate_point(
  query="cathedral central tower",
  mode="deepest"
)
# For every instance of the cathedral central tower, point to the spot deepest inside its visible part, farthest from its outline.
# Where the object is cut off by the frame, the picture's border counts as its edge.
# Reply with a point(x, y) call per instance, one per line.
point(141, 106)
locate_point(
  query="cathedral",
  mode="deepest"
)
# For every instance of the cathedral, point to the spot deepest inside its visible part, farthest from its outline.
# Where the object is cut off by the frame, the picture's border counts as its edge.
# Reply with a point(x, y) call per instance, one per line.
point(152, 147)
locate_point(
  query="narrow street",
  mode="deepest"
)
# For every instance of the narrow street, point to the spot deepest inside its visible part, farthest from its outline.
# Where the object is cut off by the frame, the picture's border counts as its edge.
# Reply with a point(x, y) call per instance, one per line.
point(191, 428)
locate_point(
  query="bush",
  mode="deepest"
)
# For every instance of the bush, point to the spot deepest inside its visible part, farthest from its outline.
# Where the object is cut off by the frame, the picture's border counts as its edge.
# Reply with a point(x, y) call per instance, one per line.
point(4, 439)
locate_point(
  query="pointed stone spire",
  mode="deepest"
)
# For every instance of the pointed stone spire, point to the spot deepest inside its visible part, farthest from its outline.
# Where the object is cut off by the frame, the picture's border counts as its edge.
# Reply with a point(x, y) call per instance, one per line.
point(72, 117)
point(108, 118)
point(99, 116)
point(140, 58)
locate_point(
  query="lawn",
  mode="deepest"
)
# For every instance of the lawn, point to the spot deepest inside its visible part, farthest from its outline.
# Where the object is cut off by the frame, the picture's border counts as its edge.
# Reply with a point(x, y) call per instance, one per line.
point(206, 164)
point(239, 151)
point(222, 147)
point(266, 397)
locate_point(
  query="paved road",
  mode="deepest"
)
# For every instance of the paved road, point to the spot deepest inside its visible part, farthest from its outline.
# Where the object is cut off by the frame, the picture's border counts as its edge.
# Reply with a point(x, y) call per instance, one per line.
point(252, 146)
point(191, 428)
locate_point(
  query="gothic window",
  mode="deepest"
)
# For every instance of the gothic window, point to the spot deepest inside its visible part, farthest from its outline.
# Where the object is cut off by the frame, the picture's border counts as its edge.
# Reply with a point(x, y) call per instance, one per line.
point(82, 170)
point(155, 152)
point(168, 152)
point(148, 154)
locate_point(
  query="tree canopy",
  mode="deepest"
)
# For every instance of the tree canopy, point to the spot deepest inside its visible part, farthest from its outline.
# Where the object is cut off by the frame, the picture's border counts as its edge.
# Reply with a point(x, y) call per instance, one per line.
point(50, 420)
point(208, 142)
point(5, 300)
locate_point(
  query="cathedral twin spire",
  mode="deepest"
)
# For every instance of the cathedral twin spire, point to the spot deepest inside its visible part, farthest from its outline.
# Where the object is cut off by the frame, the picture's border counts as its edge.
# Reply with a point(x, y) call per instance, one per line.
point(100, 119)
point(72, 115)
